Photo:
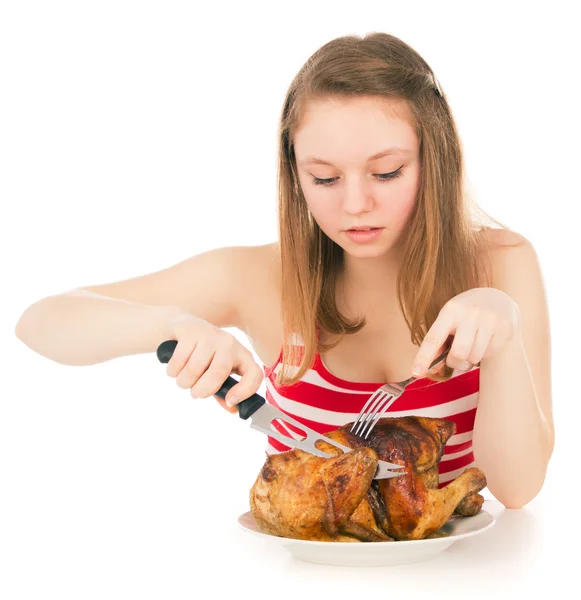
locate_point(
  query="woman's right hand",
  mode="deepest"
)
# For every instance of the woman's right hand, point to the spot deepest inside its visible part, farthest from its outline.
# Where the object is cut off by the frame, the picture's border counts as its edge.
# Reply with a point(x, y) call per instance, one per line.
point(205, 356)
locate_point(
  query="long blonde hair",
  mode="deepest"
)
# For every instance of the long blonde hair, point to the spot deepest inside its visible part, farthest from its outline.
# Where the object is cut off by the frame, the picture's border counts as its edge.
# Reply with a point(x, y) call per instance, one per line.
point(440, 258)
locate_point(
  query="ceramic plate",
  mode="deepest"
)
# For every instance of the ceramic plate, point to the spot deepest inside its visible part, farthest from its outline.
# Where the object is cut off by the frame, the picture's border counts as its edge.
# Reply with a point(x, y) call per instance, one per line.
point(373, 554)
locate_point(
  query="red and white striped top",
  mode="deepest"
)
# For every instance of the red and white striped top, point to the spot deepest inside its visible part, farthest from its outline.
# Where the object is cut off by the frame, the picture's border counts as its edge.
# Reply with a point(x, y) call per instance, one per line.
point(324, 402)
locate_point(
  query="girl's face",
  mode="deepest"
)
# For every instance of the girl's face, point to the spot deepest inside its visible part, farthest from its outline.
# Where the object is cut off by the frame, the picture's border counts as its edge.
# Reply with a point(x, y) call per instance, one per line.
point(343, 184)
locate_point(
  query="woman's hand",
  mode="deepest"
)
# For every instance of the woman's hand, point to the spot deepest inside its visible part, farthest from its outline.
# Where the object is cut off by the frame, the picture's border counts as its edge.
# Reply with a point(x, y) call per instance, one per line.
point(481, 320)
point(205, 356)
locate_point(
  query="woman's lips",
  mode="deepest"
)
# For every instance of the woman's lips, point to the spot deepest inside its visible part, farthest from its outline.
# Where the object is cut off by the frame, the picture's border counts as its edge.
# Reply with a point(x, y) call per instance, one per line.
point(363, 236)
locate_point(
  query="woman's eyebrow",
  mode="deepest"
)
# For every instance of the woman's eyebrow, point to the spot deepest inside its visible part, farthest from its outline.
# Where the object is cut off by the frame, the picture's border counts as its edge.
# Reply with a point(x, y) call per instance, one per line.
point(386, 152)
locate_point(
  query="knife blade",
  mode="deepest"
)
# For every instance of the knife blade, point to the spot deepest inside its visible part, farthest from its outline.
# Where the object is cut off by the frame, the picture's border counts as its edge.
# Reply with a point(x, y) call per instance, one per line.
point(262, 415)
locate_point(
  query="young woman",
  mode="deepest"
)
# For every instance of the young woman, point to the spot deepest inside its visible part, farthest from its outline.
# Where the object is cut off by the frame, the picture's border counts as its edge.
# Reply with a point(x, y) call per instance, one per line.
point(381, 263)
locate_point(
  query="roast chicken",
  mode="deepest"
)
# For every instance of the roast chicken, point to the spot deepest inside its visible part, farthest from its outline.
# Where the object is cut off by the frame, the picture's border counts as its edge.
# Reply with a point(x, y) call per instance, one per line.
point(299, 495)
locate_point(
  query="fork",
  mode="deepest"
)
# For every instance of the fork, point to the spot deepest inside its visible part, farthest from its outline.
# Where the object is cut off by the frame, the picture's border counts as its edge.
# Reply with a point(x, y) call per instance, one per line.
point(382, 399)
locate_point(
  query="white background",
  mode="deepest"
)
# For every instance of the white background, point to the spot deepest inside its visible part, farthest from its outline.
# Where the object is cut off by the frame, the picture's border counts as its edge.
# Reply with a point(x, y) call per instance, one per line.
point(135, 134)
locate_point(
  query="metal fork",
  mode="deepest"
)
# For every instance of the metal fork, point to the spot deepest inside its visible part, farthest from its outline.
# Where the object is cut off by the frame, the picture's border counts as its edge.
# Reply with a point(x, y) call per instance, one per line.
point(382, 399)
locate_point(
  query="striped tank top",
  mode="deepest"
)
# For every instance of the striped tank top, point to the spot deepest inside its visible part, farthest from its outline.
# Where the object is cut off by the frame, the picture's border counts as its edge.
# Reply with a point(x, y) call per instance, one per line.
point(324, 402)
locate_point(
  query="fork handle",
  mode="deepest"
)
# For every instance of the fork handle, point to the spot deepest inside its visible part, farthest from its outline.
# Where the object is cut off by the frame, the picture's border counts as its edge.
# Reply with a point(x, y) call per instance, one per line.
point(246, 408)
point(439, 360)
point(435, 363)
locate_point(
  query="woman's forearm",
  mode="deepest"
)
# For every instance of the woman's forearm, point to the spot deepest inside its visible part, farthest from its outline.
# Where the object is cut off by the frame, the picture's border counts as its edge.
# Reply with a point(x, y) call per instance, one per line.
point(512, 440)
point(83, 328)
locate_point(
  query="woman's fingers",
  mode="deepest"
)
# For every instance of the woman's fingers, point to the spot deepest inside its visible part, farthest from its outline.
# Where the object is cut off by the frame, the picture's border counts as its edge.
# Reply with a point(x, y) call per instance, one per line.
point(197, 363)
point(481, 344)
point(251, 378)
point(222, 403)
point(214, 377)
point(221, 367)
point(180, 358)
point(462, 345)
point(432, 343)
point(204, 358)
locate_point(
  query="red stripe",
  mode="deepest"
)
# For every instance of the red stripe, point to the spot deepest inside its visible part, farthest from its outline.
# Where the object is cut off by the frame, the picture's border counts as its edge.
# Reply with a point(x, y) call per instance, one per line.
point(456, 463)
point(421, 394)
point(419, 384)
point(428, 395)
point(440, 393)
point(444, 484)
point(284, 426)
point(464, 421)
point(453, 448)
point(318, 427)
point(277, 445)
point(332, 400)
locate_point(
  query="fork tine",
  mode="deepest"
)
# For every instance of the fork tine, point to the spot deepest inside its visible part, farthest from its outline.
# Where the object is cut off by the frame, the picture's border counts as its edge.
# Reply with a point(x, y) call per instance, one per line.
point(364, 409)
point(383, 411)
point(381, 398)
point(371, 413)
point(378, 411)
point(364, 415)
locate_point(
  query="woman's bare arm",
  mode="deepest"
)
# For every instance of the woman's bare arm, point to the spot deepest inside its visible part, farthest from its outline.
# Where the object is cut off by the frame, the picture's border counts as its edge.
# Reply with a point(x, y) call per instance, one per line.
point(96, 323)
point(513, 431)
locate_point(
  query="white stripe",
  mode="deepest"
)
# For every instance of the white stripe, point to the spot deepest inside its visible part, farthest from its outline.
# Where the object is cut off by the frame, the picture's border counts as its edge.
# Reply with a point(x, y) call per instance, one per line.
point(270, 449)
point(295, 339)
point(456, 454)
point(311, 376)
point(287, 431)
point(460, 438)
point(445, 477)
point(328, 417)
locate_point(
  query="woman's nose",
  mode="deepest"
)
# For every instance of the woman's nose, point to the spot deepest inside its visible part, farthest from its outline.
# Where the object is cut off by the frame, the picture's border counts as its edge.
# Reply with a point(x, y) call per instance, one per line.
point(357, 199)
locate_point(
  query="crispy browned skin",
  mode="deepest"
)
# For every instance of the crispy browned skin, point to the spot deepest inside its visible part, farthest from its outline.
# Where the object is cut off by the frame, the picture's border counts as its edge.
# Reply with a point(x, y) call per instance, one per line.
point(299, 495)
point(470, 505)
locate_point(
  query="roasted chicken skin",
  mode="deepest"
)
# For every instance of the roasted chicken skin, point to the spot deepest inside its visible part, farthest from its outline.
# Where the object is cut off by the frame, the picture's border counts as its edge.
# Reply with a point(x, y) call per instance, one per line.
point(302, 496)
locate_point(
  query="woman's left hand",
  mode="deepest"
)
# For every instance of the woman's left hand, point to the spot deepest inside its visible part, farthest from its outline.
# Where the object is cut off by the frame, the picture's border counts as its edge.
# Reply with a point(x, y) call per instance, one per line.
point(482, 320)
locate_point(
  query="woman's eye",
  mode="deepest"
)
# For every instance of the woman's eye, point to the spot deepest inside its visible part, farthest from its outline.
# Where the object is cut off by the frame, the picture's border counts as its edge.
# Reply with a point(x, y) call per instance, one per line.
point(380, 176)
point(318, 181)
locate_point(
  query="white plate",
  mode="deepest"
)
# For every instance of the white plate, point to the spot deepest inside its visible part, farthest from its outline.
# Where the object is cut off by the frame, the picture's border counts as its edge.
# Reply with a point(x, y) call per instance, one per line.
point(374, 554)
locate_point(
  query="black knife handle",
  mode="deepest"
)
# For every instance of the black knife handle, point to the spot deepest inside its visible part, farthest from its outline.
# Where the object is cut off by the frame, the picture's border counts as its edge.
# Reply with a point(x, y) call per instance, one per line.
point(246, 408)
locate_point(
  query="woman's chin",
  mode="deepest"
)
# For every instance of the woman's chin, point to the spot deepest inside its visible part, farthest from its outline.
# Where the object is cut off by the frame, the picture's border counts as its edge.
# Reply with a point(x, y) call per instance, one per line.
point(357, 251)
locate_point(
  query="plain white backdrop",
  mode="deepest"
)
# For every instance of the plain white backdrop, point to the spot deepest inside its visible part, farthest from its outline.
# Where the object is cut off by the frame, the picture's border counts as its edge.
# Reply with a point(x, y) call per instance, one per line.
point(136, 134)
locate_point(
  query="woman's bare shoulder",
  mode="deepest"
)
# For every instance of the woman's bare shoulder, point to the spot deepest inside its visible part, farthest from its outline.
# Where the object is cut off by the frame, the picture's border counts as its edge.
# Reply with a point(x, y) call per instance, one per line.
point(496, 238)
point(262, 286)
point(261, 308)
point(257, 258)
point(505, 251)
point(264, 258)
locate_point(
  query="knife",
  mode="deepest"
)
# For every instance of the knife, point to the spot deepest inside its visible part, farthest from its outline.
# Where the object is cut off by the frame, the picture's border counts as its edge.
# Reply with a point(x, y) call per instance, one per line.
point(262, 414)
